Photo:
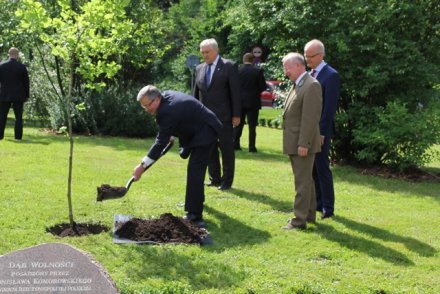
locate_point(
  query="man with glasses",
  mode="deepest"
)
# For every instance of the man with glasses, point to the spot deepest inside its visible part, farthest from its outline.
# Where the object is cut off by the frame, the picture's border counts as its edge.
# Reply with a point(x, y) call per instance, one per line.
point(330, 81)
point(180, 115)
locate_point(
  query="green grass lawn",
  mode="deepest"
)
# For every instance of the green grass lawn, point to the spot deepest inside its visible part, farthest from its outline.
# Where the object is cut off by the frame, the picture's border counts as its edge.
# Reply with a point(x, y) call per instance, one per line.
point(384, 239)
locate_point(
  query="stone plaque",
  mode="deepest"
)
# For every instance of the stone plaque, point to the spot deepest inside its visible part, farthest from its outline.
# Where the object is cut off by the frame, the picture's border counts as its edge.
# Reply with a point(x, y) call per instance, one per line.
point(53, 268)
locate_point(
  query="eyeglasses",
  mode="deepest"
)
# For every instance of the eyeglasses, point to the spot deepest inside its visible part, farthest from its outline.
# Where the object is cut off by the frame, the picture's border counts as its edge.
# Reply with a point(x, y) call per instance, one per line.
point(148, 105)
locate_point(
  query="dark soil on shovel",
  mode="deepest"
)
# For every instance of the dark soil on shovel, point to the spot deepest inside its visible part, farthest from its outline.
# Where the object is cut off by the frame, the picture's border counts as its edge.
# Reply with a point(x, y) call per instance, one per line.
point(66, 230)
point(166, 229)
point(106, 192)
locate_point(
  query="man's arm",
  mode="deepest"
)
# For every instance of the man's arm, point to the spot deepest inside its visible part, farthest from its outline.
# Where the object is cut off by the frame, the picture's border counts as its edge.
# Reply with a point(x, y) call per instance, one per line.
point(330, 103)
point(234, 92)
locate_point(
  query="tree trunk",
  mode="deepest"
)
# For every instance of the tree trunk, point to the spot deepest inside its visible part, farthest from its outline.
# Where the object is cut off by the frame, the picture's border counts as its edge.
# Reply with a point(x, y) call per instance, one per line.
point(70, 131)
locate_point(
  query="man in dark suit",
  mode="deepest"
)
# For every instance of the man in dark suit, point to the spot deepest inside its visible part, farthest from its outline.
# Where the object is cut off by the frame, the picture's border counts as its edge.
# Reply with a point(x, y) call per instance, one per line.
point(301, 139)
point(330, 81)
point(197, 128)
point(252, 84)
point(14, 91)
point(218, 88)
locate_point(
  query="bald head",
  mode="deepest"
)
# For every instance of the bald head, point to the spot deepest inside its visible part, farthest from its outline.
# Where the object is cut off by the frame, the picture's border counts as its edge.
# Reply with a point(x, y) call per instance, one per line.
point(13, 53)
point(314, 53)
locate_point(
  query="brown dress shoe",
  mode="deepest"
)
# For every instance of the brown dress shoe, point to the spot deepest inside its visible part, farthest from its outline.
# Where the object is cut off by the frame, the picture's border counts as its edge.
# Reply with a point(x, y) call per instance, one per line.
point(291, 226)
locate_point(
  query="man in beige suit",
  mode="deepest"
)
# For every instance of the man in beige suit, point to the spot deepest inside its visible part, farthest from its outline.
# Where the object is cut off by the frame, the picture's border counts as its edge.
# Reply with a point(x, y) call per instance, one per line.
point(301, 137)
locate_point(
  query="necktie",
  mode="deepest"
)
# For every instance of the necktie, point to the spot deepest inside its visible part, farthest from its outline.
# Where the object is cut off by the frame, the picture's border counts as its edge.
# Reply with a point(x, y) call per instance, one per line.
point(208, 75)
point(313, 73)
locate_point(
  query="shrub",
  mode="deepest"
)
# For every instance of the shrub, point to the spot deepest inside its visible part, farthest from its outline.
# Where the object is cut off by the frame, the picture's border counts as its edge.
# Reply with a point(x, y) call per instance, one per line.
point(116, 112)
point(396, 136)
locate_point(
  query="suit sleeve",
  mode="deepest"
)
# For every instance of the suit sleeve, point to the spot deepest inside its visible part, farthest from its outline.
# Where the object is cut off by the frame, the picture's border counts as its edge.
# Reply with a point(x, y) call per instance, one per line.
point(234, 90)
point(26, 83)
point(310, 114)
point(331, 95)
point(196, 93)
point(262, 82)
point(166, 128)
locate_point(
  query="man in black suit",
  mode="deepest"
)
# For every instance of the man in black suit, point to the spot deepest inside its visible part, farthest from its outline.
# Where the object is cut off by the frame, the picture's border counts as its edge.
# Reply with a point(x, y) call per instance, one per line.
point(180, 115)
point(14, 91)
point(252, 84)
point(218, 88)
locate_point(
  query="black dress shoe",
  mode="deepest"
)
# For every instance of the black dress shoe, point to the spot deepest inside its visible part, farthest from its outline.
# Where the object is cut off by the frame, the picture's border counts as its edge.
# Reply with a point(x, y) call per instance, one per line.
point(253, 150)
point(213, 184)
point(224, 187)
point(327, 215)
point(194, 217)
point(237, 148)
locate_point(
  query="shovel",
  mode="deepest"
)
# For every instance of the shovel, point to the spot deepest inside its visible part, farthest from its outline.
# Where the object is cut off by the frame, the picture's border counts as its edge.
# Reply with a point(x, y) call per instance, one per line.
point(106, 192)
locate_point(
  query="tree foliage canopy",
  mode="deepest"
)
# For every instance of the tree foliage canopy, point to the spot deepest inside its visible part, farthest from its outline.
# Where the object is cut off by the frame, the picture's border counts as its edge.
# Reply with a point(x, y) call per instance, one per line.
point(385, 51)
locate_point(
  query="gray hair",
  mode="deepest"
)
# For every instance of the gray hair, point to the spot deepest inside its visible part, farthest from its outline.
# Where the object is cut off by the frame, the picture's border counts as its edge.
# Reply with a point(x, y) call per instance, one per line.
point(295, 58)
point(150, 91)
point(212, 43)
point(317, 44)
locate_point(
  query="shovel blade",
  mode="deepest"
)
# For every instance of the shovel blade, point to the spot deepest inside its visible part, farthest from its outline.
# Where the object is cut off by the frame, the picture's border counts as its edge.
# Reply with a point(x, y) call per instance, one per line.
point(106, 192)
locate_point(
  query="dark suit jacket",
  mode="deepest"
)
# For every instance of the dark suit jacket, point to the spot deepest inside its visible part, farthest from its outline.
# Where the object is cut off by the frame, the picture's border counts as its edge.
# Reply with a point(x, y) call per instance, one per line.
point(223, 94)
point(301, 113)
point(252, 84)
point(330, 82)
point(14, 81)
point(182, 116)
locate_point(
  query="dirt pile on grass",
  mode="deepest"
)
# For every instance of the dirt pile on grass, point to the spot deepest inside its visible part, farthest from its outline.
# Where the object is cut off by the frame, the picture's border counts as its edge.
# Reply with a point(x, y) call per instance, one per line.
point(166, 229)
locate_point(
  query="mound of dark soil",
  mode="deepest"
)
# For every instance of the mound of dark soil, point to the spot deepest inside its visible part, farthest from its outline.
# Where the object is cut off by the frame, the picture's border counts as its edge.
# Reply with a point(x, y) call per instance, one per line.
point(66, 230)
point(166, 229)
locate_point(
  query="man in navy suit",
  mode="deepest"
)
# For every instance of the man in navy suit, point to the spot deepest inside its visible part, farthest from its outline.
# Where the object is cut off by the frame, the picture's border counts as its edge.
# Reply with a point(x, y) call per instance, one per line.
point(330, 81)
point(180, 115)
point(252, 84)
point(218, 88)
point(14, 91)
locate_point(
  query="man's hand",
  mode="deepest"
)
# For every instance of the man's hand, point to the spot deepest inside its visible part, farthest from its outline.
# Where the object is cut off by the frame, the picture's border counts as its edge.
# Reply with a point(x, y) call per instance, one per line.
point(138, 171)
point(322, 140)
point(302, 151)
point(235, 121)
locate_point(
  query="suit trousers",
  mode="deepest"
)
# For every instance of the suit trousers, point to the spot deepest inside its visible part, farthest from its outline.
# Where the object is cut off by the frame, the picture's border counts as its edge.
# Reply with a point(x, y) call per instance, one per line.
point(226, 144)
point(195, 177)
point(325, 194)
point(252, 120)
point(18, 112)
point(304, 206)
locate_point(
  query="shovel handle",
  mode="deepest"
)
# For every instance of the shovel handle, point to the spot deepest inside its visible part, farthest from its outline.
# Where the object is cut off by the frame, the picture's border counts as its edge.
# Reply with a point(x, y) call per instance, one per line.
point(165, 150)
point(130, 181)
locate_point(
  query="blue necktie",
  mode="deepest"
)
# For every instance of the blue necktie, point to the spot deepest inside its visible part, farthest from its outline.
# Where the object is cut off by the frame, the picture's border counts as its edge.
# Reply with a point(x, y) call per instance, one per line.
point(208, 75)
